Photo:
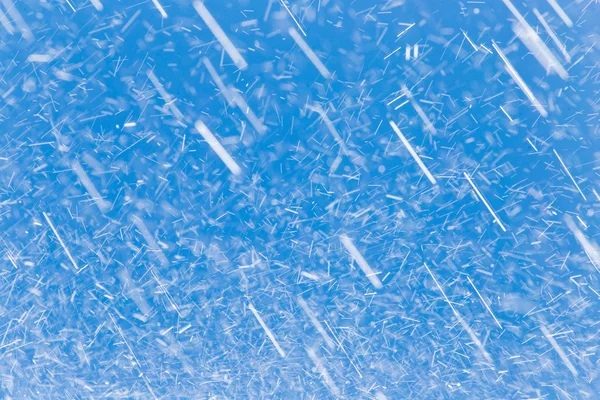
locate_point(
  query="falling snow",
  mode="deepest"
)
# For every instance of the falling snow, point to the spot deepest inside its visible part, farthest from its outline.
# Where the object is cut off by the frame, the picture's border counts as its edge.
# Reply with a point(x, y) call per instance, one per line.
point(300, 199)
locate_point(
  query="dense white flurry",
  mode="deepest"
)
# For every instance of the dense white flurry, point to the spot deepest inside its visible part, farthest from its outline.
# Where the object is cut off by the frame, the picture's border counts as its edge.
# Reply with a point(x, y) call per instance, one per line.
point(300, 199)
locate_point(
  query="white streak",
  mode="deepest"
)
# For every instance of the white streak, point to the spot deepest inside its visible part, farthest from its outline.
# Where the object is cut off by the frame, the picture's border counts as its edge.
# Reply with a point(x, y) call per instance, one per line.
point(315, 322)
point(152, 244)
point(97, 5)
point(570, 176)
point(485, 202)
point(214, 27)
point(552, 35)
point(428, 125)
point(218, 148)
point(463, 323)
point(362, 263)
point(102, 204)
point(215, 76)
point(561, 13)
point(324, 374)
point(11, 9)
point(559, 350)
point(160, 8)
point(535, 44)
point(484, 303)
point(309, 53)
point(517, 78)
point(590, 247)
point(6, 23)
point(292, 15)
point(61, 241)
point(330, 127)
point(166, 96)
point(413, 153)
point(267, 330)
point(245, 108)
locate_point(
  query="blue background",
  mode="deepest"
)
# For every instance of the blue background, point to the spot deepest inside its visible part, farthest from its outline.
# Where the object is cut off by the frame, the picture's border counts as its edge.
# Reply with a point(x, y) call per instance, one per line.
point(109, 329)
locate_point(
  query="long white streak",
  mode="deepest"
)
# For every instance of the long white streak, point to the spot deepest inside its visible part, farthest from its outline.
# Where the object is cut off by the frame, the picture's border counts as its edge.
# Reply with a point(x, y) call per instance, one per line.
point(138, 365)
point(160, 8)
point(267, 330)
point(97, 5)
point(165, 291)
point(590, 247)
point(166, 96)
point(102, 204)
point(552, 35)
point(239, 100)
point(428, 125)
point(441, 290)
point(137, 362)
point(215, 76)
point(309, 53)
point(559, 350)
point(294, 18)
point(540, 51)
point(413, 153)
point(362, 263)
point(152, 244)
point(317, 324)
point(535, 44)
point(570, 176)
point(214, 27)
point(6, 23)
point(561, 13)
point(218, 148)
point(61, 241)
point(11, 9)
point(463, 323)
point(323, 372)
point(474, 338)
point(330, 127)
point(484, 303)
point(485, 202)
point(469, 40)
point(517, 78)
